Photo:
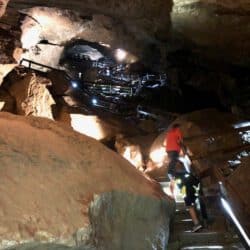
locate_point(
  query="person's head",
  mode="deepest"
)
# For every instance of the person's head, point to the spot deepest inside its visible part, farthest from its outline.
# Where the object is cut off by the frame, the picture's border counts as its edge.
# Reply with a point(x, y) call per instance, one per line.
point(175, 125)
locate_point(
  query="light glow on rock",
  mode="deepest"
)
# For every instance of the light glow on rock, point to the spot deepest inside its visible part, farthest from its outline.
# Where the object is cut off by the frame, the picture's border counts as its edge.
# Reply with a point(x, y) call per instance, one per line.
point(133, 155)
point(30, 37)
point(87, 125)
point(158, 156)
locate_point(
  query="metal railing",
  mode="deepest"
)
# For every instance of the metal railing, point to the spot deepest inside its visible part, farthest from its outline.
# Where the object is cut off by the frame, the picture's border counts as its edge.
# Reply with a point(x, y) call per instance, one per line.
point(229, 211)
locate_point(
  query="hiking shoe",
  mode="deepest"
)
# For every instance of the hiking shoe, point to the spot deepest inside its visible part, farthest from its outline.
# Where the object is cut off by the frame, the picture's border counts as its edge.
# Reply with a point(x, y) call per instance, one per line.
point(196, 228)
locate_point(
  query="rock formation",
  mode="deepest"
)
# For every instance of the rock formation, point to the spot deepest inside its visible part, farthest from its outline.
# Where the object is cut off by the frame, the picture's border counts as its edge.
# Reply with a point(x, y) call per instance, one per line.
point(50, 175)
point(32, 96)
point(216, 29)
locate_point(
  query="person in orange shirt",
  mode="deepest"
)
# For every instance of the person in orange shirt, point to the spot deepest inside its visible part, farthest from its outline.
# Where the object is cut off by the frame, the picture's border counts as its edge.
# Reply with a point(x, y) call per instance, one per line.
point(174, 144)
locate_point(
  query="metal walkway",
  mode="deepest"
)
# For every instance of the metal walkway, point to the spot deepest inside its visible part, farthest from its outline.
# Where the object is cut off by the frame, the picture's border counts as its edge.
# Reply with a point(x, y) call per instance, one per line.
point(217, 232)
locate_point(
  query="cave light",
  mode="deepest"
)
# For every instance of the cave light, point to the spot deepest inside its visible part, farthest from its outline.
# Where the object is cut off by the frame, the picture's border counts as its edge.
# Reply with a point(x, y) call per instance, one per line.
point(120, 54)
point(203, 247)
point(94, 101)
point(105, 44)
point(30, 37)
point(133, 155)
point(186, 162)
point(158, 156)
point(74, 84)
point(87, 125)
point(230, 212)
point(242, 124)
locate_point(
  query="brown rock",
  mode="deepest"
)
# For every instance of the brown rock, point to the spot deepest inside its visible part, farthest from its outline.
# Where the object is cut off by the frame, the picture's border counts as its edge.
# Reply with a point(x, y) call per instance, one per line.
point(32, 96)
point(7, 102)
point(49, 175)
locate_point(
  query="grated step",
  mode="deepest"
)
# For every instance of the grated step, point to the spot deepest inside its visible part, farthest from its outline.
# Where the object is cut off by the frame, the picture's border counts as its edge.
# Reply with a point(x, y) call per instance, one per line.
point(205, 238)
point(214, 247)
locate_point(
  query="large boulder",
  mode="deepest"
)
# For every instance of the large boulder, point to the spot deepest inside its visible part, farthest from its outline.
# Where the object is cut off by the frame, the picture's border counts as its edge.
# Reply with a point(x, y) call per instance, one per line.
point(49, 177)
point(31, 95)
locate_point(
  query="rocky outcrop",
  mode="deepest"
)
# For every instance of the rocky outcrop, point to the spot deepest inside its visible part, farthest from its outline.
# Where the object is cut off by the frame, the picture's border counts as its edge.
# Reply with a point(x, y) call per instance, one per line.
point(49, 177)
point(32, 96)
point(105, 211)
point(214, 29)
point(143, 16)
point(138, 31)
point(3, 5)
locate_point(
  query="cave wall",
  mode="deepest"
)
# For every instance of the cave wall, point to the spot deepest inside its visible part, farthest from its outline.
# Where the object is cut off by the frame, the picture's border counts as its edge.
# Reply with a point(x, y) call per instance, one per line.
point(217, 29)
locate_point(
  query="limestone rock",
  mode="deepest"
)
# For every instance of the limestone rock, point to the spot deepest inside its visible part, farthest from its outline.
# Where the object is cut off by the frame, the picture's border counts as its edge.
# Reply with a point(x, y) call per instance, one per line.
point(105, 212)
point(135, 26)
point(49, 176)
point(128, 150)
point(32, 96)
point(87, 124)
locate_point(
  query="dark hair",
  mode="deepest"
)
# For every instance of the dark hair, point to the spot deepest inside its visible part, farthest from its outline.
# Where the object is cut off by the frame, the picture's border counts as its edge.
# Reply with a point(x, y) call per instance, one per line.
point(176, 125)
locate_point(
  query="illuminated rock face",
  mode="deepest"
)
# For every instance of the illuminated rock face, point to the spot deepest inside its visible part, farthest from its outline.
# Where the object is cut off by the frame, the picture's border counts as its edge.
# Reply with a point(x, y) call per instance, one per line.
point(131, 25)
point(214, 29)
point(49, 177)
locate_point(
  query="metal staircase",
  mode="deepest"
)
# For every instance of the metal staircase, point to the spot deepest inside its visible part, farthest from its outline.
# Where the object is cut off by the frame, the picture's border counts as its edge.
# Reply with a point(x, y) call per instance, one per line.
point(217, 232)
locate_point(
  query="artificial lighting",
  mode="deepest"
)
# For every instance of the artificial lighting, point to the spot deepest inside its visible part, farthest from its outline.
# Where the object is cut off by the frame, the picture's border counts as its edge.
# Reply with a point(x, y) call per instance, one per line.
point(133, 155)
point(120, 54)
point(158, 156)
point(94, 101)
point(229, 210)
point(30, 37)
point(242, 124)
point(74, 84)
point(87, 125)
point(105, 44)
point(186, 162)
point(202, 247)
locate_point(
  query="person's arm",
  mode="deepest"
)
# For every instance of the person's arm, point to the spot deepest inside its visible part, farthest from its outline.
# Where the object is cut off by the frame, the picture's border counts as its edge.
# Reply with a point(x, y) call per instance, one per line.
point(183, 147)
point(181, 143)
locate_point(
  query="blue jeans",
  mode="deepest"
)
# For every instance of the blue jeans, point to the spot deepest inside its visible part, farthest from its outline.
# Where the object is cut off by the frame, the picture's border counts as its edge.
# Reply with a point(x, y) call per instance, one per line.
point(173, 157)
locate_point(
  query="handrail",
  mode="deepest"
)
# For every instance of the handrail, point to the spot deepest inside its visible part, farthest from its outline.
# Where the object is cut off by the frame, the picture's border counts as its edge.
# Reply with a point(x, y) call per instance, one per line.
point(228, 209)
point(38, 64)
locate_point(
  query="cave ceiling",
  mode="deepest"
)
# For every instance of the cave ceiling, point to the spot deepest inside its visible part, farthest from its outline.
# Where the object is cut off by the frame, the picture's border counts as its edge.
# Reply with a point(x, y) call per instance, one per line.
point(217, 30)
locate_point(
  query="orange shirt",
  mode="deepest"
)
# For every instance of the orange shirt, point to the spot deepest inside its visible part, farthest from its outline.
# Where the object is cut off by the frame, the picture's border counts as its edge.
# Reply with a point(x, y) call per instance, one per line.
point(173, 138)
